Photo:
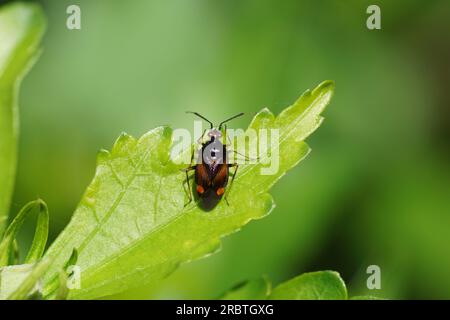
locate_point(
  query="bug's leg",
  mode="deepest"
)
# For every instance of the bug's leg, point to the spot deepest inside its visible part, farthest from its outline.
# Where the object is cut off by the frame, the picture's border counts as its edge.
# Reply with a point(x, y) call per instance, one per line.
point(186, 170)
point(245, 157)
point(235, 151)
point(228, 141)
point(227, 138)
point(200, 140)
point(232, 180)
point(189, 192)
point(192, 155)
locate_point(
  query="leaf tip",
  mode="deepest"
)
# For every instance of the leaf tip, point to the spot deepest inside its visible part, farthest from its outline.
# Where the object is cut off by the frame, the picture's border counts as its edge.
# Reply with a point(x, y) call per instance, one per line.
point(123, 143)
point(166, 132)
point(326, 86)
point(42, 204)
point(262, 118)
point(102, 156)
point(123, 137)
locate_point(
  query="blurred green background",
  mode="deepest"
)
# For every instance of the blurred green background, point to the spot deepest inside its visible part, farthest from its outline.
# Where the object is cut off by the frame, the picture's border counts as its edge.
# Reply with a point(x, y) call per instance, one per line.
point(375, 189)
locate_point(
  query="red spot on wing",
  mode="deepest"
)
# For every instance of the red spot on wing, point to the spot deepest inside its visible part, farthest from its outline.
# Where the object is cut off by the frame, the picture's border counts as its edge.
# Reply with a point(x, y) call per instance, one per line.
point(220, 191)
point(200, 189)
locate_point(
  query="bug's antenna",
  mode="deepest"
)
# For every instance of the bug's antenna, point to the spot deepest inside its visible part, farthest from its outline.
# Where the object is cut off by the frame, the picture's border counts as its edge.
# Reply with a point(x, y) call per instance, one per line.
point(200, 116)
point(233, 117)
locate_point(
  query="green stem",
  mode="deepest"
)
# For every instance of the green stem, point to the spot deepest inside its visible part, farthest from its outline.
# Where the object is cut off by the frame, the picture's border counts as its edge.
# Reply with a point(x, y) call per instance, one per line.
point(21, 28)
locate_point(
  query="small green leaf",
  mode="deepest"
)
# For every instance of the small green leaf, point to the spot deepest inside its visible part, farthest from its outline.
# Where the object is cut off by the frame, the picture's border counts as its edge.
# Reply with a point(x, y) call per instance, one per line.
point(15, 252)
point(40, 235)
point(5, 245)
point(322, 285)
point(132, 226)
point(257, 289)
point(21, 29)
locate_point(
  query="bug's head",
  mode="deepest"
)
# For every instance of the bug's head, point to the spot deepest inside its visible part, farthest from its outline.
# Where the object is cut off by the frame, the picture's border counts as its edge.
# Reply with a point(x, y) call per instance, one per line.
point(215, 134)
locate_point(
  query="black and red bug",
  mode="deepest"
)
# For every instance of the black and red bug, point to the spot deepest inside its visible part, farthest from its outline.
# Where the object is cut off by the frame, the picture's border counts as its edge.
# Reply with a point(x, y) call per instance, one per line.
point(212, 169)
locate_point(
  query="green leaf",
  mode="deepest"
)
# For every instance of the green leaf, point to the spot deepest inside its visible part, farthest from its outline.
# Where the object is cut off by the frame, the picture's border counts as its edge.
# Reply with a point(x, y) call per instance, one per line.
point(11, 277)
point(21, 29)
point(30, 283)
point(20, 282)
point(321, 285)
point(131, 226)
point(257, 289)
point(40, 235)
point(366, 298)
